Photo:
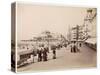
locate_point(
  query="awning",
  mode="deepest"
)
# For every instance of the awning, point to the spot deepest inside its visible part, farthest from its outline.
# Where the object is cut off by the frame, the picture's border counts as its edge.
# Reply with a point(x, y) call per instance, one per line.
point(91, 40)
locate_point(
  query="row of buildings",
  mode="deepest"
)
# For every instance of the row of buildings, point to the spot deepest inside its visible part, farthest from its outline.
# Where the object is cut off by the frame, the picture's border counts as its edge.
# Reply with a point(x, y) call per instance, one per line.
point(86, 32)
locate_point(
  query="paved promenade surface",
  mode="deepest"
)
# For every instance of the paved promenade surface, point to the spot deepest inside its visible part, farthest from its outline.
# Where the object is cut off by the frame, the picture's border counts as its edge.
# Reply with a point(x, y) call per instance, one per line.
point(86, 58)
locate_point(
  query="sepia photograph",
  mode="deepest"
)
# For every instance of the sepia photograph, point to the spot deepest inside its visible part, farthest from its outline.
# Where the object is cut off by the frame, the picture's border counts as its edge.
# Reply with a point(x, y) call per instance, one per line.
point(51, 37)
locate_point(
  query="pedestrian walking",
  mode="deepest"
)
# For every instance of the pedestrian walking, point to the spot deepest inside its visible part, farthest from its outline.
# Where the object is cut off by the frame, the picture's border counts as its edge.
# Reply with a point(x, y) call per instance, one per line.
point(72, 47)
point(39, 52)
point(80, 44)
point(44, 54)
point(54, 52)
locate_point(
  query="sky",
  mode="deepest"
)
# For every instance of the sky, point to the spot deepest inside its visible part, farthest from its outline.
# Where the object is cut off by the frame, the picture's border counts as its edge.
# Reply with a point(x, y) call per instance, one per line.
point(34, 19)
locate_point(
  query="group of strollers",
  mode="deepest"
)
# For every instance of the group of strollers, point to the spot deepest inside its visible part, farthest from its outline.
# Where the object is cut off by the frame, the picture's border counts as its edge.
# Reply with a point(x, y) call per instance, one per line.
point(41, 53)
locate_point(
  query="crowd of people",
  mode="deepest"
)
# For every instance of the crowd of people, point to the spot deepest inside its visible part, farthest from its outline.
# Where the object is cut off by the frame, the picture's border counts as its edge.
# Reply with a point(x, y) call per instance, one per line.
point(41, 53)
point(74, 47)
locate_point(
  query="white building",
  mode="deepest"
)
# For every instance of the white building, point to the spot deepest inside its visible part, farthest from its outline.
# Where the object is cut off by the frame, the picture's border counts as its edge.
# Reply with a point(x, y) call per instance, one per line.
point(76, 33)
point(90, 23)
point(90, 27)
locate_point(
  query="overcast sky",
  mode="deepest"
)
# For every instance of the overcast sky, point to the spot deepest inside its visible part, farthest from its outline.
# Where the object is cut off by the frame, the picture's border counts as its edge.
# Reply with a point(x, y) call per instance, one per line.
point(34, 19)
